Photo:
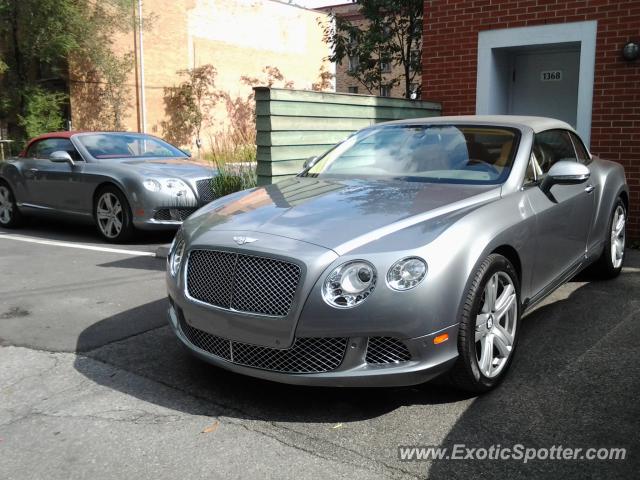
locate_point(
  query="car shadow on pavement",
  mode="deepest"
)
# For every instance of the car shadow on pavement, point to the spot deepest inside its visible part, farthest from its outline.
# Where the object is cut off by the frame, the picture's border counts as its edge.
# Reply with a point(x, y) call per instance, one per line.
point(139, 263)
point(574, 381)
point(78, 232)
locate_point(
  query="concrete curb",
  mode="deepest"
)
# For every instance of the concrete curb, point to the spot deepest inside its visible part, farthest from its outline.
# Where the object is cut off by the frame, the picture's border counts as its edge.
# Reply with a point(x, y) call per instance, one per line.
point(162, 251)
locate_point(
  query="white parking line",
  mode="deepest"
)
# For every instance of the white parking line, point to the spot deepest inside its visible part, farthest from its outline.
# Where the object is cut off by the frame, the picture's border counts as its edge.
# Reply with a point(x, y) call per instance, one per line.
point(80, 246)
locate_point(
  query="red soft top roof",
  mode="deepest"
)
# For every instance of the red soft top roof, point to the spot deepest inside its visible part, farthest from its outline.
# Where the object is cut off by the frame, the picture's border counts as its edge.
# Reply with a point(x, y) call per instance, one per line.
point(64, 134)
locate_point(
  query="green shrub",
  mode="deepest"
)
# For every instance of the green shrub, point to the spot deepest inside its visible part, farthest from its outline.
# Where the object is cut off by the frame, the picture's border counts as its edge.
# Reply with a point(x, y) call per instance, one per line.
point(233, 177)
point(43, 112)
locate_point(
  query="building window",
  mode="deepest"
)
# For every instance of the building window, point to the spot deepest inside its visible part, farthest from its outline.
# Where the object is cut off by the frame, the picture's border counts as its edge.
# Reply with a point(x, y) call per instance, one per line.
point(353, 39)
point(385, 65)
point(352, 89)
point(353, 63)
point(385, 91)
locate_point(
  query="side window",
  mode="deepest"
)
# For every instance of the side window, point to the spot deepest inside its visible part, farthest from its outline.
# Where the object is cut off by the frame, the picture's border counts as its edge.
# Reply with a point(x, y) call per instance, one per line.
point(552, 146)
point(44, 148)
point(31, 152)
point(581, 151)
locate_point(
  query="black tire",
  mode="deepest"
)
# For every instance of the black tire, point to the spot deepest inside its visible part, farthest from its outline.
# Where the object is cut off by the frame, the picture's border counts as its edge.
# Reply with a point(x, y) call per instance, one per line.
point(123, 215)
point(466, 373)
point(604, 268)
point(11, 217)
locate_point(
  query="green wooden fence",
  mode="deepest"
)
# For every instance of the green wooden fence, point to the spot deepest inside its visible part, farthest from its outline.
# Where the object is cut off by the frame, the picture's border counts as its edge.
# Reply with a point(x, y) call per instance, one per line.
point(293, 125)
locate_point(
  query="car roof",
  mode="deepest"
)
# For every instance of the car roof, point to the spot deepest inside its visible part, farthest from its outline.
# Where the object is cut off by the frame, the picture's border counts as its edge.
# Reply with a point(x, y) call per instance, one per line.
point(537, 124)
point(67, 135)
point(64, 134)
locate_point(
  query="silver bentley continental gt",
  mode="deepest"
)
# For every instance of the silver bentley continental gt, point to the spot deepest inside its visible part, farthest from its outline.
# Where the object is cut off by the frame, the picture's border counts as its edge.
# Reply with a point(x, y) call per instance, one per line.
point(407, 251)
point(119, 181)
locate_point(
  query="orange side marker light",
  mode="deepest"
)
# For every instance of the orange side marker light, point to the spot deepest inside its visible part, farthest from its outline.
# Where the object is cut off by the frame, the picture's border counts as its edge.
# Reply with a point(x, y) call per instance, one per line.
point(441, 338)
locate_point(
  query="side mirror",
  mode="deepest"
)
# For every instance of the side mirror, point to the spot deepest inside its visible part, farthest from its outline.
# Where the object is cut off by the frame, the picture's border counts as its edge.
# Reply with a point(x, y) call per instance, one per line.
point(60, 156)
point(310, 162)
point(565, 172)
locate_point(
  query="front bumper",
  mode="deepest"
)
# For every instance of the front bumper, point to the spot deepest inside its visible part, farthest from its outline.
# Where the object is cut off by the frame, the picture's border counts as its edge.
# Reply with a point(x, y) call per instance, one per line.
point(428, 360)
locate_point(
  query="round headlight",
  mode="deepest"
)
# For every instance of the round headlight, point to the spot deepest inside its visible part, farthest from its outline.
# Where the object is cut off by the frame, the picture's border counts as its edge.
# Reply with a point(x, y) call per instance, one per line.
point(152, 185)
point(176, 252)
point(349, 284)
point(406, 273)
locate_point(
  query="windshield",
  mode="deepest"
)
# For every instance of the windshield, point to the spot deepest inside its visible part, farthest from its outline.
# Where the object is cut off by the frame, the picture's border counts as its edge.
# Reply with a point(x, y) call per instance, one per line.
point(124, 145)
point(430, 153)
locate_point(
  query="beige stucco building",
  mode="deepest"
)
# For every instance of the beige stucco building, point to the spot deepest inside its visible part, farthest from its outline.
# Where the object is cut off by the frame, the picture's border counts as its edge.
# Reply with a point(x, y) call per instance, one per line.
point(238, 37)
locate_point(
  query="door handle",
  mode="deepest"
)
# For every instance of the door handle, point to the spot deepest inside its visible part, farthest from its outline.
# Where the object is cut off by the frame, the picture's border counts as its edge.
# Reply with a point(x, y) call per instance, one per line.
point(33, 170)
point(589, 188)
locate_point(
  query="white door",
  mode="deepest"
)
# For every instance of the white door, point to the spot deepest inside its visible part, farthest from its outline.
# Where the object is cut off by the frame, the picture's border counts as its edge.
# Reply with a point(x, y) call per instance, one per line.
point(546, 84)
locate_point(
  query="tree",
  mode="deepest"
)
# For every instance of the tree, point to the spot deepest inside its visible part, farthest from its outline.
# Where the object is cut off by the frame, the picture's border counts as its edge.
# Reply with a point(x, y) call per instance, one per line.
point(40, 38)
point(325, 80)
point(390, 33)
point(42, 112)
point(188, 105)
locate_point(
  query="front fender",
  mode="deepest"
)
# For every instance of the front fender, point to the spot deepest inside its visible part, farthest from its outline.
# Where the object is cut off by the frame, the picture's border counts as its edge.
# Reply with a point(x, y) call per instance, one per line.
point(457, 254)
point(455, 246)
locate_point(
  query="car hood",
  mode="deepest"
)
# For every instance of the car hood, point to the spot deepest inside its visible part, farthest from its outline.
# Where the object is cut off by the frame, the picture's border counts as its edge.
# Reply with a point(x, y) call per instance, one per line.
point(332, 213)
point(170, 167)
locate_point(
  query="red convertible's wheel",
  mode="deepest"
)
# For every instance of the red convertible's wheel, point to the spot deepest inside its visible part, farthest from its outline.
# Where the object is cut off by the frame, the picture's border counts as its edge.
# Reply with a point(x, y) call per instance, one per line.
point(489, 326)
point(9, 214)
point(113, 215)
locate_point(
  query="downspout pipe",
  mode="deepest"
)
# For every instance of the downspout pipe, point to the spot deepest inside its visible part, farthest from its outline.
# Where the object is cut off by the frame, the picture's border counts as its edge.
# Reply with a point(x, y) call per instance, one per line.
point(143, 109)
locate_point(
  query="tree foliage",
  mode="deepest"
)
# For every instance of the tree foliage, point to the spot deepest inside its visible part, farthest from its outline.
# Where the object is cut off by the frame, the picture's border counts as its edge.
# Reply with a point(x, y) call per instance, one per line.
point(188, 105)
point(40, 38)
point(390, 33)
point(42, 112)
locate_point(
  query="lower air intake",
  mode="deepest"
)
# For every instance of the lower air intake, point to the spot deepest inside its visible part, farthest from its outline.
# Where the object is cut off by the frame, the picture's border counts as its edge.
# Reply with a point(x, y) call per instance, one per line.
point(306, 355)
point(387, 350)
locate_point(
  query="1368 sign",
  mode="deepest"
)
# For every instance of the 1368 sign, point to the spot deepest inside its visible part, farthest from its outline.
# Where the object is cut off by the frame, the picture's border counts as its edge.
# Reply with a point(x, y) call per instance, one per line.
point(551, 76)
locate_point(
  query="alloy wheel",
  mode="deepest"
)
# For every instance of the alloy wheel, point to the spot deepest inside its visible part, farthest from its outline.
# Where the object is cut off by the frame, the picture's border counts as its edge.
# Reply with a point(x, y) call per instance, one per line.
point(496, 324)
point(6, 205)
point(618, 236)
point(109, 215)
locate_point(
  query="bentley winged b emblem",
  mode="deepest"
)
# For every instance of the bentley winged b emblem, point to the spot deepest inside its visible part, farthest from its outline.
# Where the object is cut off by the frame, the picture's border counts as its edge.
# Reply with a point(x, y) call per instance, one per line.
point(241, 240)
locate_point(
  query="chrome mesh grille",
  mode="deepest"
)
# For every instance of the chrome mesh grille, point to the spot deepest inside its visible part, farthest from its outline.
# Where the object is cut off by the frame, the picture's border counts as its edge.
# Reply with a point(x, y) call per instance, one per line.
point(175, 214)
point(210, 276)
point(210, 343)
point(205, 190)
point(245, 283)
point(306, 355)
point(386, 350)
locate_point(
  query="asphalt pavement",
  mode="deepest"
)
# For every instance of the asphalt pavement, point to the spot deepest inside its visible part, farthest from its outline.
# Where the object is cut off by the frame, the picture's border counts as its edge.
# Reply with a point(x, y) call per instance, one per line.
point(94, 385)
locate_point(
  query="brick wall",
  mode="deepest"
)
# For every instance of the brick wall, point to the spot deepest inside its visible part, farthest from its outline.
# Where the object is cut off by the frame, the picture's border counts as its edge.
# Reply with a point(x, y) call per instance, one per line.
point(449, 66)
